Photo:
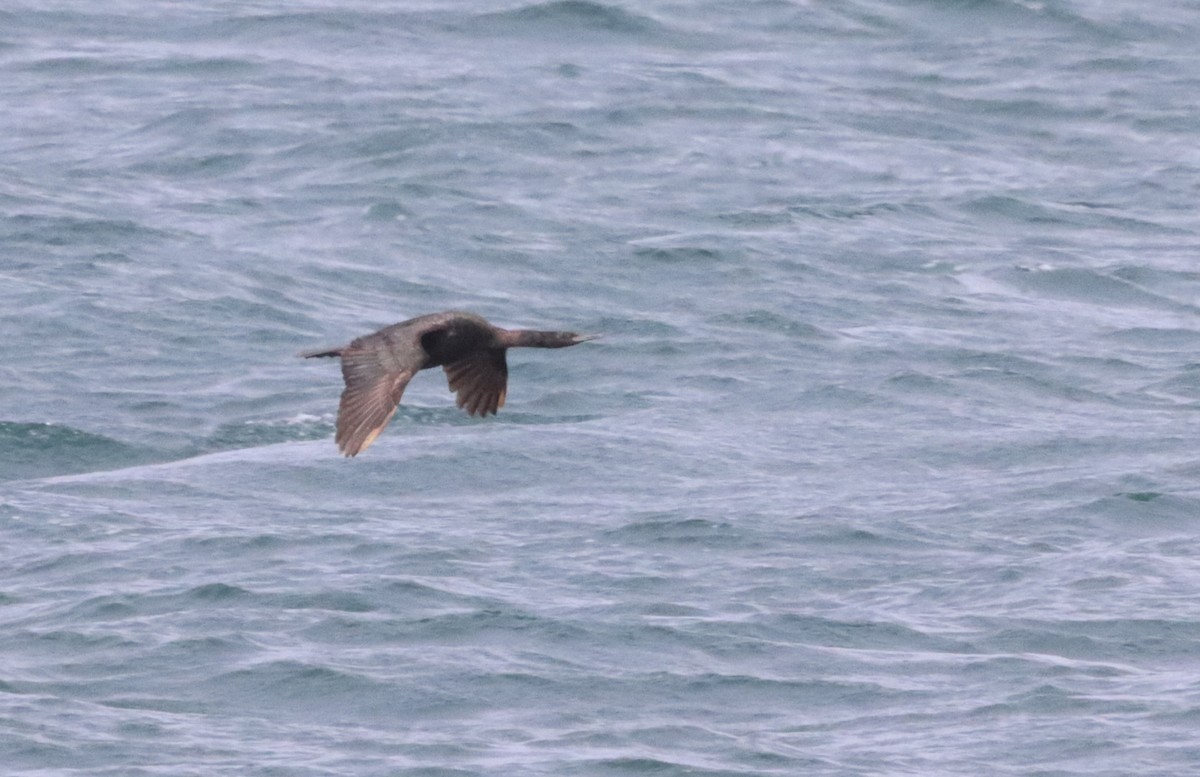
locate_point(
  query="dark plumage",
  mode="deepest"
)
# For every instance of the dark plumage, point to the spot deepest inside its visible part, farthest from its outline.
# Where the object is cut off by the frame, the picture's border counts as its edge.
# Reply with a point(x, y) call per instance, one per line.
point(378, 366)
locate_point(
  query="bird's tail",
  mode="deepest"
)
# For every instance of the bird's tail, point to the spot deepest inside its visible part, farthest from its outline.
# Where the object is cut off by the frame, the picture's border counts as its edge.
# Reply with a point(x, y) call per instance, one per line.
point(320, 353)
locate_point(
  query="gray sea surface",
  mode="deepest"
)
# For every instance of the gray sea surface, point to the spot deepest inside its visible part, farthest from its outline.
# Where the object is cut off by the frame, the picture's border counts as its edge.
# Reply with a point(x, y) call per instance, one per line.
point(888, 462)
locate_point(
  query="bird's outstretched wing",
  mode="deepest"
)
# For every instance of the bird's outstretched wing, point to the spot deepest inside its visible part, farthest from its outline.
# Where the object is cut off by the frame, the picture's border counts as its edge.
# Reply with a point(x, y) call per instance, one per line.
point(372, 393)
point(480, 379)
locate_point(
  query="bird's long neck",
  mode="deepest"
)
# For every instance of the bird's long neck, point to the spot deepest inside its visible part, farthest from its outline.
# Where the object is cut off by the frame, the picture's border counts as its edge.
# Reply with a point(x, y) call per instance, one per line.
point(532, 338)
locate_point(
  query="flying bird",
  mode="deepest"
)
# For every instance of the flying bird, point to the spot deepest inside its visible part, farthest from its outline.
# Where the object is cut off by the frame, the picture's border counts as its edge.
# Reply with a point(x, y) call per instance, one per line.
point(377, 367)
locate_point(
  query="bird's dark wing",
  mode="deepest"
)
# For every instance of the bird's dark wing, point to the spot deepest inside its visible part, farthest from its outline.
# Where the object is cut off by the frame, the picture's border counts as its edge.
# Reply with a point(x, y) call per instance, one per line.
point(374, 384)
point(480, 379)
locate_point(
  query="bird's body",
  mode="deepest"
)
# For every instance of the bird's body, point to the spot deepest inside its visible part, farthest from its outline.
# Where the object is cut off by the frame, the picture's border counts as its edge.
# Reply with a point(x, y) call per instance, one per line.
point(377, 367)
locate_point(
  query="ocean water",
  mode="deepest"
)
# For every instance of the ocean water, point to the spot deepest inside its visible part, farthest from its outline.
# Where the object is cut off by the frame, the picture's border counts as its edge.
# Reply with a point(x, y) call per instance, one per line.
point(888, 462)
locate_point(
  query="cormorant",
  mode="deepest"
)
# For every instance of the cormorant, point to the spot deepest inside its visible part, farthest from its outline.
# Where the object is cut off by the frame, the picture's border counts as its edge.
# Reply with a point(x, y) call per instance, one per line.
point(378, 366)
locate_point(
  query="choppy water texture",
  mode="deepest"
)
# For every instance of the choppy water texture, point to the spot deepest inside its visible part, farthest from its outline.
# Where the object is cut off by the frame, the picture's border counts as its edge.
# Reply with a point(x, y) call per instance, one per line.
point(888, 462)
